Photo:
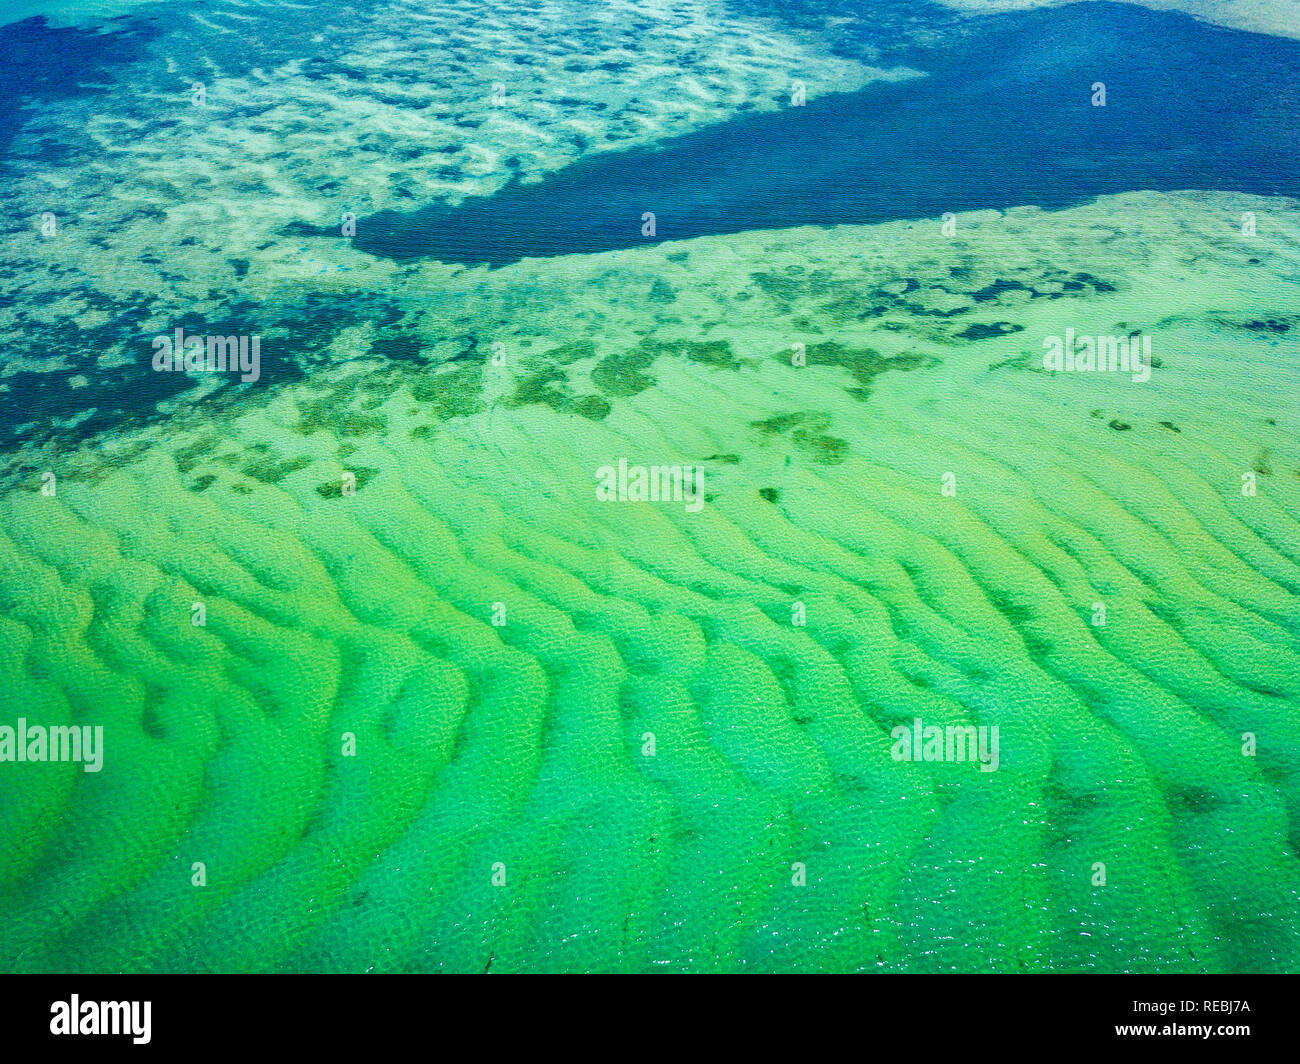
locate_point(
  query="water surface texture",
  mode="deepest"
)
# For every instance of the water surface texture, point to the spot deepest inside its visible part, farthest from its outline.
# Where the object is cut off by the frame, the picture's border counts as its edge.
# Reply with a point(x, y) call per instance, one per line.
point(1000, 121)
point(391, 666)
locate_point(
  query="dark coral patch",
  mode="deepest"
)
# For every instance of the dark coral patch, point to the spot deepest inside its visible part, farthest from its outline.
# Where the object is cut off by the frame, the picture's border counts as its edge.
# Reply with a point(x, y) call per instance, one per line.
point(980, 331)
point(864, 364)
point(622, 374)
point(455, 393)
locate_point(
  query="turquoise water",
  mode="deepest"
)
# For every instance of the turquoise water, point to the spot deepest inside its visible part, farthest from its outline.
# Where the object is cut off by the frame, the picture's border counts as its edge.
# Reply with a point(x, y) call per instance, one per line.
point(399, 663)
point(1004, 117)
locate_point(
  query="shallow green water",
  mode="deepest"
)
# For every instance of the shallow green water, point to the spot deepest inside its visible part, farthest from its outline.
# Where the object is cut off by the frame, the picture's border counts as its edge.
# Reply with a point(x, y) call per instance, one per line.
point(387, 683)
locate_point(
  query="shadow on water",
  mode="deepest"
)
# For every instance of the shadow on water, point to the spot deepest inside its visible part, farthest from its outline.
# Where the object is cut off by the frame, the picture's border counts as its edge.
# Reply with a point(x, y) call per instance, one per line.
point(1004, 119)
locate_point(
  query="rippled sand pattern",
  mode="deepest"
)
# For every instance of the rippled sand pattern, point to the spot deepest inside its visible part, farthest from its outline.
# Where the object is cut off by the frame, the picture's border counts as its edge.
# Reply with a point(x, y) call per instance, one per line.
point(592, 735)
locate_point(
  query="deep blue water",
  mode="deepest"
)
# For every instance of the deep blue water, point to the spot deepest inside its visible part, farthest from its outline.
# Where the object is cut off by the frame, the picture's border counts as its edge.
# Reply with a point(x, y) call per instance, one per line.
point(1004, 117)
